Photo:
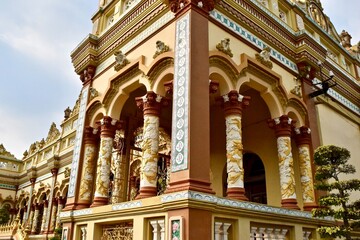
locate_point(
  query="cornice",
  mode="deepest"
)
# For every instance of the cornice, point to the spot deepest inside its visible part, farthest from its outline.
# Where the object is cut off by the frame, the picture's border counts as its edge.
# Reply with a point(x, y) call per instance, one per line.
point(94, 50)
point(306, 48)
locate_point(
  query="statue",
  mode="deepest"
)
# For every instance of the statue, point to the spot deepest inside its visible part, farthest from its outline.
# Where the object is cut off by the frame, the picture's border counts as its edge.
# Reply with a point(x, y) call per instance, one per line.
point(345, 39)
point(160, 48)
point(120, 60)
point(224, 46)
point(264, 57)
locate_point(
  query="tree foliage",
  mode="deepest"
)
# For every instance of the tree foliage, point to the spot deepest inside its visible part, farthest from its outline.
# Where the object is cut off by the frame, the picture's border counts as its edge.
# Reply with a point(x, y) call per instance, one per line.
point(331, 162)
point(4, 214)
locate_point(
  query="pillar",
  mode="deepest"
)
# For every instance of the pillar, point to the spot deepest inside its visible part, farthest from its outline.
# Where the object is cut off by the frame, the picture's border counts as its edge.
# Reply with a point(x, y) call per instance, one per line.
point(283, 127)
point(151, 104)
point(54, 172)
point(30, 219)
point(303, 142)
point(88, 169)
point(108, 126)
point(119, 180)
point(32, 181)
point(233, 104)
point(53, 215)
point(44, 216)
point(190, 168)
point(35, 219)
point(23, 220)
point(61, 203)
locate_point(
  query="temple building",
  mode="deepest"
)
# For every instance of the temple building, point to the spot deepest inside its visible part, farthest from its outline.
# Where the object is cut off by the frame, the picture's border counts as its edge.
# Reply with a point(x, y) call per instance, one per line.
point(197, 119)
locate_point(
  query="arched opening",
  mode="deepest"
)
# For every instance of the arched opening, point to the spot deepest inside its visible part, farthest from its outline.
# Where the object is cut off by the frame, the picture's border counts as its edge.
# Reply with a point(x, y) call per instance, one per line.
point(254, 178)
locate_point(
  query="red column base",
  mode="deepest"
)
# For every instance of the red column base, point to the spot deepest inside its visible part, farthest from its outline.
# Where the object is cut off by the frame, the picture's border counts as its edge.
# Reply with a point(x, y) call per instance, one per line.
point(290, 203)
point(146, 192)
point(310, 206)
point(100, 201)
point(190, 185)
point(82, 205)
point(236, 193)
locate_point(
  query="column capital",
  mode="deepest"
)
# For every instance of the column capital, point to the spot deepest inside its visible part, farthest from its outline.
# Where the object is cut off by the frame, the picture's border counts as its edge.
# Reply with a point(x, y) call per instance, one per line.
point(151, 103)
point(90, 135)
point(178, 6)
point(282, 125)
point(233, 103)
point(302, 135)
point(108, 126)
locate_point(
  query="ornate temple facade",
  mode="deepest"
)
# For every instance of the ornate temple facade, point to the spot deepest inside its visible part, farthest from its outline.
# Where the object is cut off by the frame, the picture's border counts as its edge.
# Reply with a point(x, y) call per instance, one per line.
point(197, 119)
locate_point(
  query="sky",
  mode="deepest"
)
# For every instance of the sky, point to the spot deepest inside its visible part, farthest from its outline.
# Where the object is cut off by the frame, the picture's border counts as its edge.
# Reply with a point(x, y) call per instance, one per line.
point(37, 79)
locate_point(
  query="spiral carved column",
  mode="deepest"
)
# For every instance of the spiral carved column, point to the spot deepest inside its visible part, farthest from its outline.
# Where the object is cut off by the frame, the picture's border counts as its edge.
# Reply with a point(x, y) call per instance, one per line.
point(89, 164)
point(303, 141)
point(233, 104)
point(108, 126)
point(151, 104)
point(283, 126)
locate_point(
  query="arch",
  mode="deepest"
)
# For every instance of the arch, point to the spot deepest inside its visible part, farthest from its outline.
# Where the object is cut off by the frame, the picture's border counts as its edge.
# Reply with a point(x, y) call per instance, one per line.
point(223, 65)
point(298, 108)
point(254, 178)
point(95, 111)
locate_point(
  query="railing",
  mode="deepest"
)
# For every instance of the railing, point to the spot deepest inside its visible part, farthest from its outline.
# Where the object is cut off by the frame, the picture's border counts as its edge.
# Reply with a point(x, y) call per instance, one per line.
point(123, 231)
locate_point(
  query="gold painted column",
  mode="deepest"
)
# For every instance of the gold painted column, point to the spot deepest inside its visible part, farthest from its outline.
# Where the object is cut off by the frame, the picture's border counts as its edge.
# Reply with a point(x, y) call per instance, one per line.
point(44, 215)
point(61, 203)
point(303, 141)
point(53, 215)
point(30, 219)
point(151, 104)
point(283, 126)
point(35, 219)
point(233, 104)
point(108, 127)
point(91, 137)
point(119, 174)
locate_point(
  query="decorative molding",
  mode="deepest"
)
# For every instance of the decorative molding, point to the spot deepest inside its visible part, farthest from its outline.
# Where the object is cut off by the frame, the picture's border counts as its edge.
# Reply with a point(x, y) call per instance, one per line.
point(180, 117)
point(78, 141)
point(249, 37)
point(137, 39)
point(127, 205)
point(192, 195)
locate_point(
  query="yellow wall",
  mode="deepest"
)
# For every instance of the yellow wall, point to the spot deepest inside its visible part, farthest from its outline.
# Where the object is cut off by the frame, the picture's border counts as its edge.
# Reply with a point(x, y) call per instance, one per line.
point(338, 130)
